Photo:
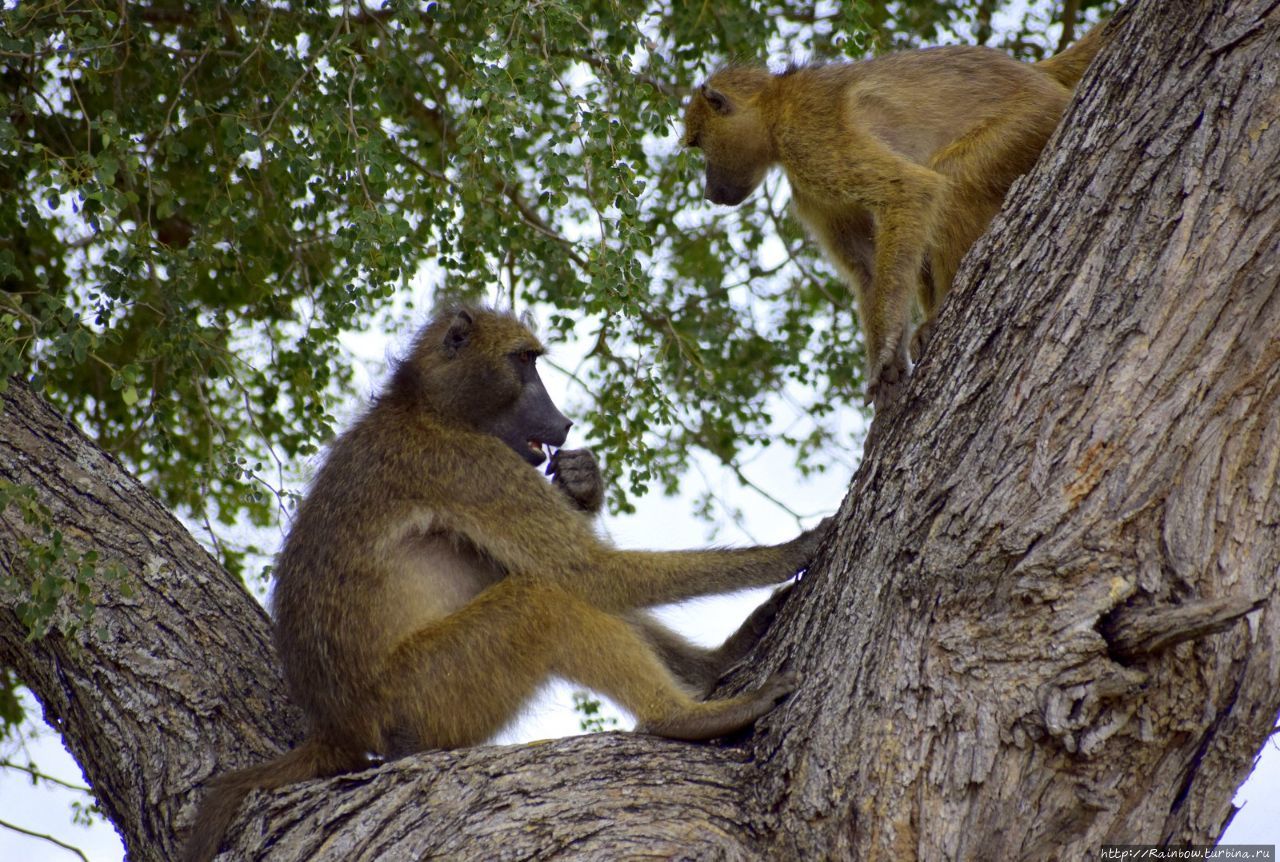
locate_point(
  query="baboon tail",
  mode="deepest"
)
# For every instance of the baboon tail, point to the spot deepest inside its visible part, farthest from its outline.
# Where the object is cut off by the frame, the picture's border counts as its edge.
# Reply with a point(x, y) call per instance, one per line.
point(1067, 67)
point(312, 759)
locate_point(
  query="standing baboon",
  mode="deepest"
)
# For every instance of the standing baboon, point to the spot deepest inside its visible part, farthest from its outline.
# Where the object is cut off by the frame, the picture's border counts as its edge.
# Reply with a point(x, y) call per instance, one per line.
point(896, 164)
point(433, 580)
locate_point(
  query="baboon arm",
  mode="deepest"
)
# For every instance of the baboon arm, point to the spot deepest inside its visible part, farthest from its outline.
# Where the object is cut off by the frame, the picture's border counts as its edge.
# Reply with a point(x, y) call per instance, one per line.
point(562, 550)
point(530, 528)
point(849, 170)
point(639, 579)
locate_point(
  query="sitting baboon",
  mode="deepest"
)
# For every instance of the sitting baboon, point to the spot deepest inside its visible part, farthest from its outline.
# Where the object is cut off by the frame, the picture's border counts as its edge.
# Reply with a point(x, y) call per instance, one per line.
point(432, 580)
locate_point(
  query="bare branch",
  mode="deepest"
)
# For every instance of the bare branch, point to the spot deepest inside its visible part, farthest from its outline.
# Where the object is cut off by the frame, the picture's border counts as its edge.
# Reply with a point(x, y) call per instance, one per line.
point(43, 837)
point(1138, 632)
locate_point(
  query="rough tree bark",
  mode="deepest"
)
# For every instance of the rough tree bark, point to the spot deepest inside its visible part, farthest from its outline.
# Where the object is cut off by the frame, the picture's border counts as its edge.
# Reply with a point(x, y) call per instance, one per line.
point(1047, 620)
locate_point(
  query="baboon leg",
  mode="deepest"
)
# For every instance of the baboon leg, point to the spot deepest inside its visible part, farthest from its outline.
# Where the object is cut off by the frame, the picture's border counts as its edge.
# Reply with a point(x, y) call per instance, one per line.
point(905, 227)
point(626, 667)
point(968, 212)
point(698, 667)
point(902, 199)
point(712, 718)
point(481, 664)
point(980, 167)
point(461, 680)
point(964, 221)
point(741, 642)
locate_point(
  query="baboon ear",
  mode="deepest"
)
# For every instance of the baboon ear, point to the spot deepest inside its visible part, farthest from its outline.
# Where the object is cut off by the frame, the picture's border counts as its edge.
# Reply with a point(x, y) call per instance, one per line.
point(718, 101)
point(459, 332)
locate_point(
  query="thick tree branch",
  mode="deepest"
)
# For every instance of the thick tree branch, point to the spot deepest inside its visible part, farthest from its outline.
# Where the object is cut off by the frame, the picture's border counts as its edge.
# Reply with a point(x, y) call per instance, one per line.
point(179, 682)
point(607, 796)
point(1137, 632)
point(1098, 417)
point(146, 671)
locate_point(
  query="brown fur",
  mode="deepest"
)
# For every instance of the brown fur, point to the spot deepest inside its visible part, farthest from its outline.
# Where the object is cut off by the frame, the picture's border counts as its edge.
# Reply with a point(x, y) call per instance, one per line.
point(896, 164)
point(311, 759)
point(433, 580)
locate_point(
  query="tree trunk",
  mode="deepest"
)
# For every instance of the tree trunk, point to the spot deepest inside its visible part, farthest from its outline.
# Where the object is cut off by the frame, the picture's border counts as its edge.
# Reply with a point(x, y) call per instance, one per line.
point(168, 684)
point(1046, 621)
point(1018, 657)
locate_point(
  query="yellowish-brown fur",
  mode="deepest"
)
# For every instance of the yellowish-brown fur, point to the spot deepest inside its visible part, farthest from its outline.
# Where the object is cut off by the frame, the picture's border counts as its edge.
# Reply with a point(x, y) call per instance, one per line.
point(896, 164)
point(433, 580)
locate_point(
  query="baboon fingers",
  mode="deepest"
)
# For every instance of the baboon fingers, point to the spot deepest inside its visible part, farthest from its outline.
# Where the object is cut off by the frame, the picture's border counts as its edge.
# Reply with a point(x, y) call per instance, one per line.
point(920, 339)
point(576, 472)
point(779, 685)
point(811, 538)
point(887, 375)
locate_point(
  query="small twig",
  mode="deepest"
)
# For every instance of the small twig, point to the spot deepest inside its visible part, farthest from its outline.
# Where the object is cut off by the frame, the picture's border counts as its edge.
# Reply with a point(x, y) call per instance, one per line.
point(306, 72)
point(16, 828)
point(35, 773)
point(741, 477)
point(1070, 17)
point(260, 41)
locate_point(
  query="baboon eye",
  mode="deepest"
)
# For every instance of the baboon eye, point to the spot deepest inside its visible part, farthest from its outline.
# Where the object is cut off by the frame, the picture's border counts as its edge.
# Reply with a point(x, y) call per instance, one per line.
point(526, 356)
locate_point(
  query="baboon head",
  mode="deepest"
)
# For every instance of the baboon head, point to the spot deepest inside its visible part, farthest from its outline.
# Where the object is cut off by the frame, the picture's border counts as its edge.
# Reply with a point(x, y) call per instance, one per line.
point(478, 368)
point(723, 120)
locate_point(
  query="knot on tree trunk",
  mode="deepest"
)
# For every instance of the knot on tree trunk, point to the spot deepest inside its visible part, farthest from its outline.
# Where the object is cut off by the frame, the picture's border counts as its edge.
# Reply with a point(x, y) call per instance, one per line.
point(1084, 707)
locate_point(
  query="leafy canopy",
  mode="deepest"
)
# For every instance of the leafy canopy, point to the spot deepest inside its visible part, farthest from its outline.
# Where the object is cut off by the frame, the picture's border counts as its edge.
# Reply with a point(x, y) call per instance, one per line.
point(196, 199)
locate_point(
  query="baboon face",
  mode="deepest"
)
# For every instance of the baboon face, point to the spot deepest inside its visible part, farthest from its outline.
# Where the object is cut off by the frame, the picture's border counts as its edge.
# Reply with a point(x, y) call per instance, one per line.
point(532, 419)
point(479, 368)
point(727, 127)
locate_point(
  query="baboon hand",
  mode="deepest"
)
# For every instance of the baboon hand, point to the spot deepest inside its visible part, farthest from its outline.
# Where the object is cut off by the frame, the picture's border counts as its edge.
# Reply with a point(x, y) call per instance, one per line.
point(887, 377)
point(807, 542)
point(920, 338)
point(577, 473)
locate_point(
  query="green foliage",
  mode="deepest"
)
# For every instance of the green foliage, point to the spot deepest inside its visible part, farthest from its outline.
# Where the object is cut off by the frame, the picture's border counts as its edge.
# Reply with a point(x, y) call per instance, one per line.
point(52, 585)
point(591, 711)
point(197, 199)
point(86, 813)
point(11, 711)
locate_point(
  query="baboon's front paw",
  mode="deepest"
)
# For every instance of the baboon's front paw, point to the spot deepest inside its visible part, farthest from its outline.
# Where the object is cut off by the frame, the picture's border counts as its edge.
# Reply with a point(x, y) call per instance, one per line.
point(886, 378)
point(920, 339)
point(810, 539)
point(577, 473)
point(780, 685)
